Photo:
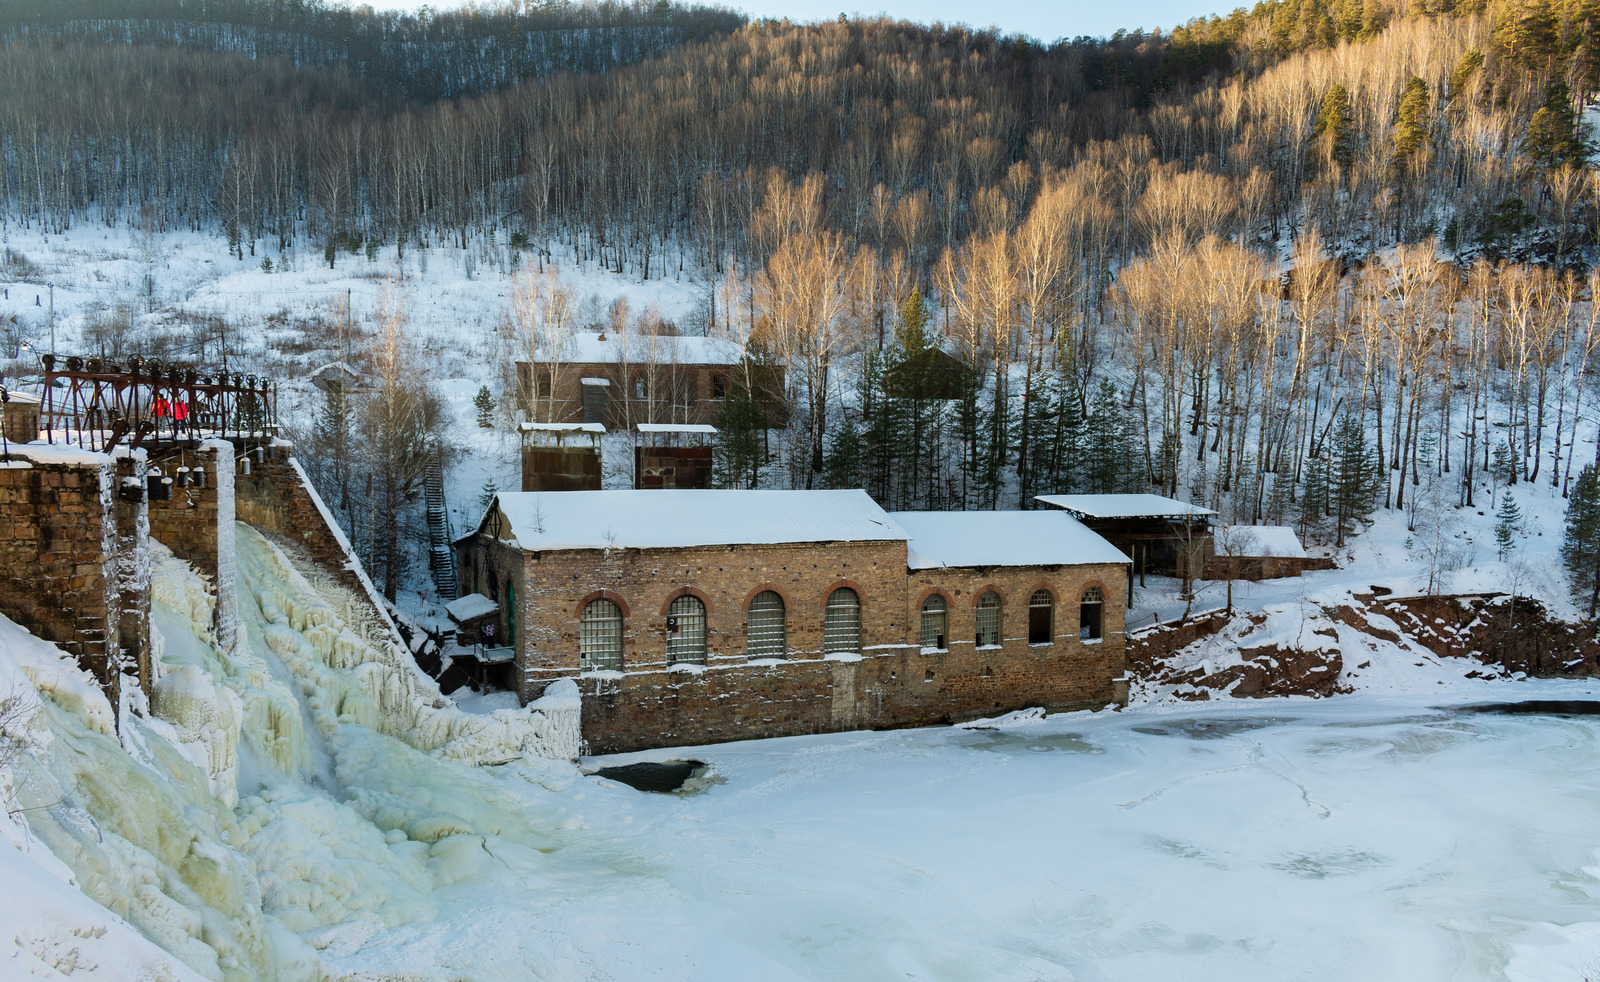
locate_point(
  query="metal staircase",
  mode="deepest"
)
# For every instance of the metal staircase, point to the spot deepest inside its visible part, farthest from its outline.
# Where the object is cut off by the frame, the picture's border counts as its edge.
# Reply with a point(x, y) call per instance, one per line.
point(441, 558)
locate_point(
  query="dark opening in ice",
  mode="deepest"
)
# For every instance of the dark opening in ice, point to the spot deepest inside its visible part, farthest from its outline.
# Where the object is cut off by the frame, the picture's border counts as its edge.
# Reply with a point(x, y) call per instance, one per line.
point(657, 775)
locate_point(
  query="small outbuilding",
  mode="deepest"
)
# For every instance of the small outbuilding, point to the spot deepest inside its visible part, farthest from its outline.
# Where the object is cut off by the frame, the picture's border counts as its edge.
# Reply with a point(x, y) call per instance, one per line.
point(19, 414)
point(1255, 552)
point(674, 455)
point(561, 456)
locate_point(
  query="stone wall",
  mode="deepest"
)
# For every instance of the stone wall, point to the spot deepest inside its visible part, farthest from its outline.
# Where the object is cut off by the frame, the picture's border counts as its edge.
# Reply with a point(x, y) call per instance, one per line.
point(271, 495)
point(72, 531)
point(894, 682)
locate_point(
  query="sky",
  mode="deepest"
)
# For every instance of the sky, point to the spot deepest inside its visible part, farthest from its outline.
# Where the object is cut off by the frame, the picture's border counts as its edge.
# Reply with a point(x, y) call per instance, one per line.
point(1041, 19)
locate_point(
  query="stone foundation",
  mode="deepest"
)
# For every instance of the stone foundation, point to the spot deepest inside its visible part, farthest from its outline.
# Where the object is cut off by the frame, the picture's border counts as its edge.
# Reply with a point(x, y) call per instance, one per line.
point(900, 688)
point(73, 527)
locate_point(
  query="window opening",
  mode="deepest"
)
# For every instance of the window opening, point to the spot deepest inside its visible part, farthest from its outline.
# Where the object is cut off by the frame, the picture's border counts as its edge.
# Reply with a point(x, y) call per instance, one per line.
point(686, 631)
point(1041, 617)
point(841, 623)
point(766, 637)
point(600, 637)
point(989, 619)
point(1089, 614)
point(934, 620)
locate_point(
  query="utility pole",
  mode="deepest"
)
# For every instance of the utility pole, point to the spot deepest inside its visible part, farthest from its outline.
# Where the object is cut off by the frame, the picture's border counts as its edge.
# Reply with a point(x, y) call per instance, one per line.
point(52, 319)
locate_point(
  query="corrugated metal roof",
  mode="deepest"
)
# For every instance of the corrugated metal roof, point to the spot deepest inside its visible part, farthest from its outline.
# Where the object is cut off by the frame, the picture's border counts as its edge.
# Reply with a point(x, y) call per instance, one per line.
point(1123, 506)
point(1001, 538)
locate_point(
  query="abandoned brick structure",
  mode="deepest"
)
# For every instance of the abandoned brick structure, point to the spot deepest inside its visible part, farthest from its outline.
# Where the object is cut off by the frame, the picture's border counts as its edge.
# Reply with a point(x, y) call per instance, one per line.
point(623, 380)
point(704, 616)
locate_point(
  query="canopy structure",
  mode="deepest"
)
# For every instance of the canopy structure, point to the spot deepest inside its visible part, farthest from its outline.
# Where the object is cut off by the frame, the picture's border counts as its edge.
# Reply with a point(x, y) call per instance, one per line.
point(1110, 506)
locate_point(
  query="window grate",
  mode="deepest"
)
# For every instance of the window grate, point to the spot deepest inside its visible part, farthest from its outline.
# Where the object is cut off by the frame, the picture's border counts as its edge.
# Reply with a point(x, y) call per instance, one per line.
point(766, 632)
point(989, 619)
point(841, 623)
point(934, 620)
point(600, 637)
point(686, 632)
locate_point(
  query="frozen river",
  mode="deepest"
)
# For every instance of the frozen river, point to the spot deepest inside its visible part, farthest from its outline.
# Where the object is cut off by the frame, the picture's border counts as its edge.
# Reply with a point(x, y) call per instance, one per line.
point(1393, 834)
point(1343, 839)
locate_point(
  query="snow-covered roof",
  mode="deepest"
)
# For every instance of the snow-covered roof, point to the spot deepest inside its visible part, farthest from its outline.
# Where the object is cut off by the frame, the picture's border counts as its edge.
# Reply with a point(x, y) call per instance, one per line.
point(705, 428)
point(471, 606)
point(1123, 506)
point(1258, 540)
point(334, 365)
point(599, 382)
point(589, 348)
point(1001, 538)
point(22, 398)
point(669, 519)
point(562, 427)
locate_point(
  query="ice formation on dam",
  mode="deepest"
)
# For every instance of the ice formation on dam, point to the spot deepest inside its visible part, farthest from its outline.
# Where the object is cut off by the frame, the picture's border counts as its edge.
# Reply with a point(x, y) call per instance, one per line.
point(277, 800)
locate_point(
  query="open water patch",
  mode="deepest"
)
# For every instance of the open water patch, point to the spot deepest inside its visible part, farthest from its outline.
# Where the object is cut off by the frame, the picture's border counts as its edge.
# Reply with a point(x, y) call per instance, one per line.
point(1539, 707)
point(659, 776)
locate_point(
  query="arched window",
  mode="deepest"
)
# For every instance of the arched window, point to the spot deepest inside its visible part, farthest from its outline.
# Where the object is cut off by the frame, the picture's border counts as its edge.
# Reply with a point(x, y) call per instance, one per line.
point(765, 638)
point(1041, 617)
point(989, 619)
point(1089, 619)
point(686, 631)
point(841, 623)
point(600, 637)
point(934, 620)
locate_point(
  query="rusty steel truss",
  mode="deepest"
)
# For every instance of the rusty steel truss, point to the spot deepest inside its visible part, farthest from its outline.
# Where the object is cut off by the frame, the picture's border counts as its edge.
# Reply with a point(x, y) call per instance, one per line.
point(99, 404)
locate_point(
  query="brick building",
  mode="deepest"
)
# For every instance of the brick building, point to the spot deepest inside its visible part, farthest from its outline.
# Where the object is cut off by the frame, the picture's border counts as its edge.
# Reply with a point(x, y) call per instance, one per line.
point(623, 380)
point(704, 616)
point(1256, 552)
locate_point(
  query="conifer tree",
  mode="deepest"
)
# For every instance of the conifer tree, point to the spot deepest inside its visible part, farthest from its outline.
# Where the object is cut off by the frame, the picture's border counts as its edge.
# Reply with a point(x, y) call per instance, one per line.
point(1580, 541)
point(841, 465)
point(1352, 479)
point(1507, 526)
point(487, 493)
point(1336, 126)
point(1554, 140)
point(741, 444)
point(1408, 146)
point(1463, 74)
point(1503, 470)
point(484, 402)
point(1527, 31)
point(1108, 445)
point(1314, 500)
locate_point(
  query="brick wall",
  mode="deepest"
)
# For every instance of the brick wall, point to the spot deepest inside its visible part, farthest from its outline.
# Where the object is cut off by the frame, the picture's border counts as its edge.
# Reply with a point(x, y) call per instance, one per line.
point(893, 683)
point(71, 531)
